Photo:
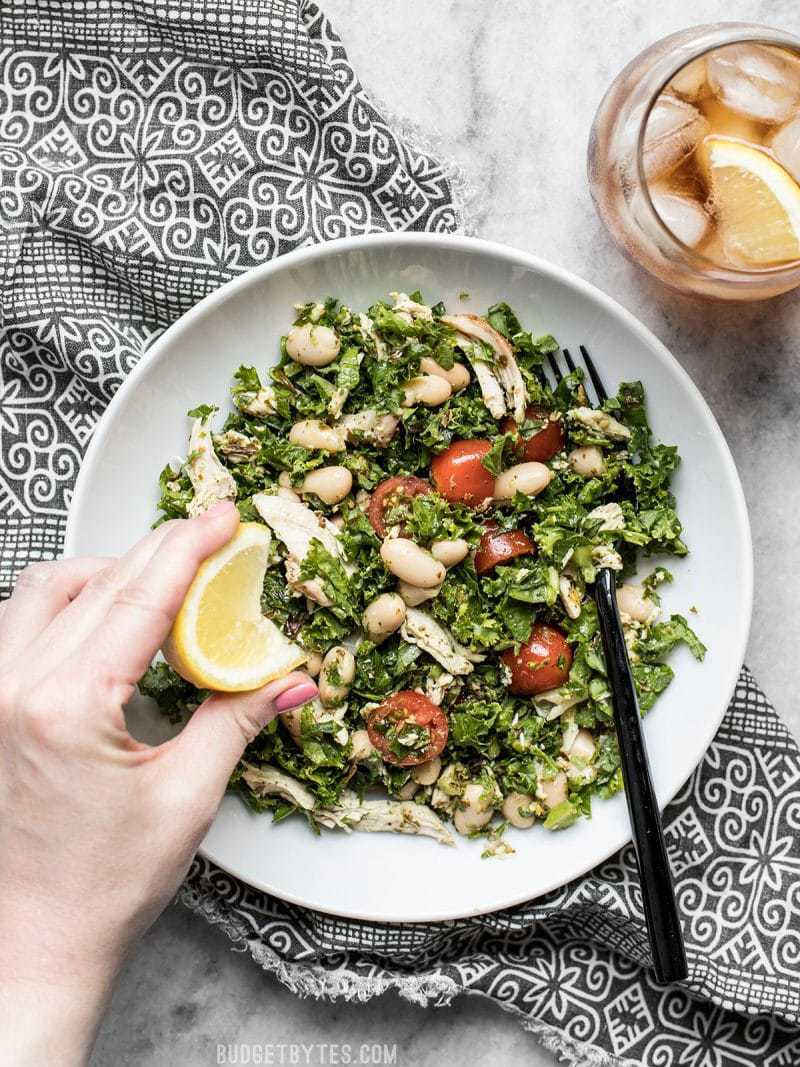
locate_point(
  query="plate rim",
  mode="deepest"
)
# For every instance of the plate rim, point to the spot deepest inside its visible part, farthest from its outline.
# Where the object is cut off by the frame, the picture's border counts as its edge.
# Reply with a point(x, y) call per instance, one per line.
point(518, 257)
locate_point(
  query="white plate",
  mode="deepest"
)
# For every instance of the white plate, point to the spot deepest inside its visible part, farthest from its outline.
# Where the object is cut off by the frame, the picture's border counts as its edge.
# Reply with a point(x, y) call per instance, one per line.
point(384, 876)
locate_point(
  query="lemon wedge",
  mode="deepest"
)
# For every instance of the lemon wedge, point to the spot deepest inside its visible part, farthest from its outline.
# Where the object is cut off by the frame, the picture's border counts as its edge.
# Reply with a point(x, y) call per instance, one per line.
point(220, 640)
point(756, 202)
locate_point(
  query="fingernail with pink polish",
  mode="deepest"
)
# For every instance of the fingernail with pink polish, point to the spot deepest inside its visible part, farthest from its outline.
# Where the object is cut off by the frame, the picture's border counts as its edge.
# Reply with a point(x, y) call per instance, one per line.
point(297, 695)
point(217, 509)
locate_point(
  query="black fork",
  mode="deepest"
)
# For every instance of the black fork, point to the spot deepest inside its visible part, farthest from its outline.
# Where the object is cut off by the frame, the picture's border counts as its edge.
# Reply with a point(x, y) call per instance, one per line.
point(655, 877)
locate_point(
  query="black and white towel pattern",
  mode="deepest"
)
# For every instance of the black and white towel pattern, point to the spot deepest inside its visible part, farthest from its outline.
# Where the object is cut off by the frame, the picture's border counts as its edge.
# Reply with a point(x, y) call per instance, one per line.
point(572, 966)
point(149, 151)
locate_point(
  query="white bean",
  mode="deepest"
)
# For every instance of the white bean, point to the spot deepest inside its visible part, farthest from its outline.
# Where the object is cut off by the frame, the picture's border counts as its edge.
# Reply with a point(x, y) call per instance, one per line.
point(458, 376)
point(553, 790)
point(413, 596)
point(450, 552)
point(587, 461)
point(427, 773)
point(313, 664)
point(511, 810)
point(336, 675)
point(475, 813)
point(528, 478)
point(363, 749)
point(412, 564)
point(288, 494)
point(292, 720)
point(330, 484)
point(285, 480)
point(407, 791)
point(428, 389)
point(632, 600)
point(316, 436)
point(383, 616)
point(313, 346)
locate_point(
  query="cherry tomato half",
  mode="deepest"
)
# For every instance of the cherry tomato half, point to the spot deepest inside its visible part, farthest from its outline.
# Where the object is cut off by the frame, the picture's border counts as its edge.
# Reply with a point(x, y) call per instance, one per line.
point(499, 547)
point(460, 476)
point(542, 663)
point(387, 724)
point(391, 493)
point(542, 445)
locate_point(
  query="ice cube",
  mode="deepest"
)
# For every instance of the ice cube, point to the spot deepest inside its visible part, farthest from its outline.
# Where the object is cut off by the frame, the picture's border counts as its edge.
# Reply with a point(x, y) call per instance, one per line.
point(756, 80)
point(687, 219)
point(674, 130)
point(785, 144)
point(726, 123)
point(691, 82)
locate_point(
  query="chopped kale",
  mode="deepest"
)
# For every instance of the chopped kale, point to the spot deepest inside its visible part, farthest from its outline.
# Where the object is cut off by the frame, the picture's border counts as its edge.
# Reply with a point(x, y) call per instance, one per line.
point(504, 742)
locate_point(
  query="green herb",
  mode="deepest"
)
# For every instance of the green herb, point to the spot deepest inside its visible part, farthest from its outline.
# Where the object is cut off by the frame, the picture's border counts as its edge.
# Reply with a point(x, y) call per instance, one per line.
point(204, 411)
point(504, 742)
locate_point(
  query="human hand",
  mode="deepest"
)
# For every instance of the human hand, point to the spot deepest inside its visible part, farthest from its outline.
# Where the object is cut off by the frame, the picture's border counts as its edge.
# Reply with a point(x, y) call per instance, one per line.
point(96, 829)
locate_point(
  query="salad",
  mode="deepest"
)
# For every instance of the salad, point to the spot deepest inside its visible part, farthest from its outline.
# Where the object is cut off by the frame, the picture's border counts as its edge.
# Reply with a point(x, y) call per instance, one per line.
point(439, 514)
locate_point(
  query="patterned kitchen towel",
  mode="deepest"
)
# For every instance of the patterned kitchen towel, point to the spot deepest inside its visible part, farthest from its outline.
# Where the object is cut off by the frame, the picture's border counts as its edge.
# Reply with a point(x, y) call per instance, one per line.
point(149, 151)
point(573, 966)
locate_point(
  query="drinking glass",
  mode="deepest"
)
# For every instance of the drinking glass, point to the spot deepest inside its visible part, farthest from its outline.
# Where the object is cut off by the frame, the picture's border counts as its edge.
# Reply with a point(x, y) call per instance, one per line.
point(617, 176)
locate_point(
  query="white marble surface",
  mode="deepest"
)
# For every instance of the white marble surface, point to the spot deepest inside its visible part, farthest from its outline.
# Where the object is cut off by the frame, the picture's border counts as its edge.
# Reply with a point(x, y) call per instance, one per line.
point(511, 88)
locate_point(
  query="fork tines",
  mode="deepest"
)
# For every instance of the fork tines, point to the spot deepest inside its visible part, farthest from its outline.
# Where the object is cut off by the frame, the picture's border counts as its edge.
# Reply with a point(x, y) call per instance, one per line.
point(594, 377)
point(554, 367)
point(602, 395)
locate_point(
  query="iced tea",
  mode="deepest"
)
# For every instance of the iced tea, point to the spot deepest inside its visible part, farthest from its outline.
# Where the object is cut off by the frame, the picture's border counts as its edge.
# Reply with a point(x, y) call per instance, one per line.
point(694, 160)
point(721, 156)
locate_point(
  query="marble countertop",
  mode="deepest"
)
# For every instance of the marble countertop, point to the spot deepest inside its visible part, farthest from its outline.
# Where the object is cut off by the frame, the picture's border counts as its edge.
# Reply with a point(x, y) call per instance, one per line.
point(509, 90)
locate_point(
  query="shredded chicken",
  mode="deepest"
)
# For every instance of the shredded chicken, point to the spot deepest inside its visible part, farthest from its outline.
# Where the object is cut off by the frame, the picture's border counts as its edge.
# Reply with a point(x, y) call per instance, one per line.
point(435, 688)
point(339, 397)
point(423, 631)
point(297, 526)
point(570, 588)
point(269, 781)
point(505, 372)
point(262, 403)
point(210, 480)
point(610, 515)
point(404, 303)
point(600, 421)
point(376, 816)
point(367, 328)
point(238, 447)
point(316, 312)
point(554, 702)
point(369, 426)
point(493, 396)
point(607, 556)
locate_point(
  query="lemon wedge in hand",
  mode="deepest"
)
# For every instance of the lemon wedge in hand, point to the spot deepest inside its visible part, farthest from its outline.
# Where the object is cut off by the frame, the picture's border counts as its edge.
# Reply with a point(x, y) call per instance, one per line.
point(756, 202)
point(220, 640)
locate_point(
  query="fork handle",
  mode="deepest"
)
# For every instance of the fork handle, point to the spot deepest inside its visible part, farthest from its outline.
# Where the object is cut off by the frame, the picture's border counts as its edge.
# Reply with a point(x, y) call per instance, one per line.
point(655, 877)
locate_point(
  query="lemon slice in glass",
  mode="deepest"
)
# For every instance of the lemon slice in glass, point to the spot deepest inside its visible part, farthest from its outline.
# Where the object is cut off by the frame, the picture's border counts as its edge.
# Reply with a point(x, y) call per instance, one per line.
point(220, 640)
point(756, 202)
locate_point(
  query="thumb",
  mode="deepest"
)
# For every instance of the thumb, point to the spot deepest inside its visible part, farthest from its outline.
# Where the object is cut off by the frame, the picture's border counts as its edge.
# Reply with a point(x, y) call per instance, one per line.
point(212, 742)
